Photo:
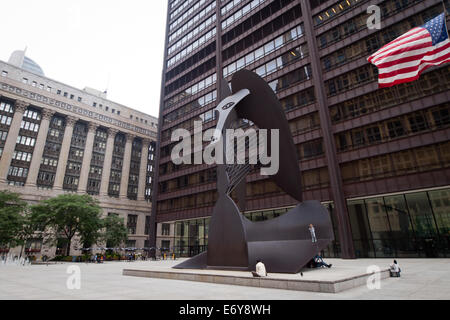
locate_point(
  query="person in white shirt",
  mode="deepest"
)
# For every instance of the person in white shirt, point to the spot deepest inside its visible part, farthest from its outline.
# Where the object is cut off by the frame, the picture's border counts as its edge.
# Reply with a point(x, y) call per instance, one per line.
point(260, 270)
point(395, 269)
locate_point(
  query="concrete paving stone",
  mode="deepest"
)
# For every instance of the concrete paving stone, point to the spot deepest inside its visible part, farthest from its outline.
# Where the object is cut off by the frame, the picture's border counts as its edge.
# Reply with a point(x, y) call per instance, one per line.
point(330, 287)
point(251, 282)
point(312, 286)
point(186, 277)
point(223, 280)
point(204, 278)
point(273, 283)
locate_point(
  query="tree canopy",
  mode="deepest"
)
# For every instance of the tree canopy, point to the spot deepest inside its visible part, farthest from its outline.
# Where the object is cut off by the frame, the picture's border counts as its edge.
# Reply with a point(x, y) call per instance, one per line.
point(115, 231)
point(70, 215)
point(12, 210)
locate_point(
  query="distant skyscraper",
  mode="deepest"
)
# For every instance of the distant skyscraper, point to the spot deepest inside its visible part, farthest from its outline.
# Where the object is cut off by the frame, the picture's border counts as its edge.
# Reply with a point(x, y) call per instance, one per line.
point(19, 59)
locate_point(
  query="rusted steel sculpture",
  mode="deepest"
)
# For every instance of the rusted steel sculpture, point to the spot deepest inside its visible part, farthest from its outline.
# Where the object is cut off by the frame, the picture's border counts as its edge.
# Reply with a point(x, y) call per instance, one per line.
point(234, 242)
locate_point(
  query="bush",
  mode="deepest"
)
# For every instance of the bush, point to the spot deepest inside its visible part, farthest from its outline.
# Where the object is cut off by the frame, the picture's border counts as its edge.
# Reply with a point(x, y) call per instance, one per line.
point(63, 258)
point(112, 256)
point(57, 258)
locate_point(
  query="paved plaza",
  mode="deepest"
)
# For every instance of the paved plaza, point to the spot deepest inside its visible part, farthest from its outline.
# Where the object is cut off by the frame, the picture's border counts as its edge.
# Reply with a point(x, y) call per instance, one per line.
point(421, 279)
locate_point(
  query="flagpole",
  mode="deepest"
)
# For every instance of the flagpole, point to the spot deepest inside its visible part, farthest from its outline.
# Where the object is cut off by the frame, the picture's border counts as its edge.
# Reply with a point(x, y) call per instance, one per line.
point(445, 15)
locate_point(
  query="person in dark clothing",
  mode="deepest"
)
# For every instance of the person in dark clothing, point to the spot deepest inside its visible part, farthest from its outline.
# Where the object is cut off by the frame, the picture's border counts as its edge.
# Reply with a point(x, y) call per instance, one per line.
point(318, 262)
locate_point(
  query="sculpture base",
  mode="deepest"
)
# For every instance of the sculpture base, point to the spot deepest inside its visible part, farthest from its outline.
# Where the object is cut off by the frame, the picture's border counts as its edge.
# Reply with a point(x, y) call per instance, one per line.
point(199, 262)
point(343, 275)
point(196, 262)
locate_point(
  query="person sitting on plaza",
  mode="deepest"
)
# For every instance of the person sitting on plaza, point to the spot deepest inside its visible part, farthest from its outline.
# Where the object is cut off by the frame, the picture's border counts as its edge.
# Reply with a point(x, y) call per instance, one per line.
point(318, 262)
point(260, 270)
point(394, 269)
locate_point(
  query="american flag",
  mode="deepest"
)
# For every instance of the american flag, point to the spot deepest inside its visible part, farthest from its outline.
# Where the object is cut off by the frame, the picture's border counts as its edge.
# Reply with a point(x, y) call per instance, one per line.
point(404, 59)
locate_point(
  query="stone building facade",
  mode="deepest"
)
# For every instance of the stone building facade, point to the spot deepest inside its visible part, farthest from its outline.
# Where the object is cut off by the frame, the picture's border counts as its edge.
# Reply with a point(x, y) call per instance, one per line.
point(56, 139)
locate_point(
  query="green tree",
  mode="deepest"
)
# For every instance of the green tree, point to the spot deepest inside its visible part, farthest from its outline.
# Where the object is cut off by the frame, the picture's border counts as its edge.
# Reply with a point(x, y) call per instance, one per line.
point(27, 230)
point(67, 216)
point(115, 231)
point(12, 209)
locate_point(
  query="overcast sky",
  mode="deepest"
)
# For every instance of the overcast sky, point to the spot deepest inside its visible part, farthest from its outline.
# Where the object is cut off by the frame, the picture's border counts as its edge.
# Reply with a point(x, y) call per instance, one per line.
point(92, 43)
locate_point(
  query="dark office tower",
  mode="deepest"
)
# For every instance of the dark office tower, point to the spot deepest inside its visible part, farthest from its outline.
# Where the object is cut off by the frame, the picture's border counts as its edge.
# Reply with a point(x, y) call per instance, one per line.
point(378, 159)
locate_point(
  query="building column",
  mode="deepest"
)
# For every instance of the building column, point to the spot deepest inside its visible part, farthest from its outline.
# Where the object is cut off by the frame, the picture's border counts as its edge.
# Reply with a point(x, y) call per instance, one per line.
point(64, 153)
point(143, 170)
point(334, 171)
point(86, 165)
point(152, 231)
point(11, 140)
point(39, 147)
point(106, 172)
point(140, 226)
point(126, 167)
